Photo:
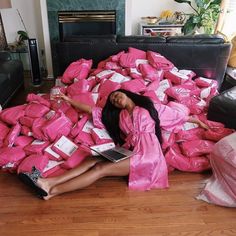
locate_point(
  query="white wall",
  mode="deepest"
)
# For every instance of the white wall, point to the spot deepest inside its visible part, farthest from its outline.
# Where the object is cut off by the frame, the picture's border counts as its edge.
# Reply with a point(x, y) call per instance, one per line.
point(31, 16)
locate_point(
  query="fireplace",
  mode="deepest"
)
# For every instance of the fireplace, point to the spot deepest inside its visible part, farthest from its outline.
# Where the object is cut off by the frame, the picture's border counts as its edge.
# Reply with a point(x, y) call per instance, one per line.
point(75, 24)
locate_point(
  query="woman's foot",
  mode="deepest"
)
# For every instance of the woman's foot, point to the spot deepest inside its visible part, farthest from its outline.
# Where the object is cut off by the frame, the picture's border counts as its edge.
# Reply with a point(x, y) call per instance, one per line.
point(31, 179)
point(43, 184)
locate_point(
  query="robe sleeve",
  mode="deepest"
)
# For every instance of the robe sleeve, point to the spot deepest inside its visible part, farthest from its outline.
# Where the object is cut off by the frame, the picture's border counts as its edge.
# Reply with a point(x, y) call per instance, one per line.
point(97, 117)
point(170, 119)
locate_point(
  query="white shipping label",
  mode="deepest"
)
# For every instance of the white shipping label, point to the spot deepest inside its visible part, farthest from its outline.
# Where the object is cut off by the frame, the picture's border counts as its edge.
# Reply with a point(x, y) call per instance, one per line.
point(50, 114)
point(205, 92)
point(166, 134)
point(66, 146)
point(202, 103)
point(92, 77)
point(37, 142)
point(102, 147)
point(52, 164)
point(163, 85)
point(141, 61)
point(182, 76)
point(96, 88)
point(134, 71)
point(118, 78)
point(185, 72)
point(95, 97)
point(8, 165)
point(50, 151)
point(205, 80)
point(104, 73)
point(88, 127)
point(102, 133)
point(161, 96)
point(189, 125)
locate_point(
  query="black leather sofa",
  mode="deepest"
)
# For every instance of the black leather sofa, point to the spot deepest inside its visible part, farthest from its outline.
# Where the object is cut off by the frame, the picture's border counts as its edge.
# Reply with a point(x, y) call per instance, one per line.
point(206, 55)
point(11, 77)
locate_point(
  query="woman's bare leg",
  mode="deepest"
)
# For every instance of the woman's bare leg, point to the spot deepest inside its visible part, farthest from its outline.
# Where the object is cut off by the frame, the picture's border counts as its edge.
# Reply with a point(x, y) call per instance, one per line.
point(48, 183)
point(98, 171)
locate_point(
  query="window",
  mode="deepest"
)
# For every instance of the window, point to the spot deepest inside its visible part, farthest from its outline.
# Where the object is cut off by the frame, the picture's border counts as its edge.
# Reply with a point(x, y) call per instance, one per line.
point(228, 27)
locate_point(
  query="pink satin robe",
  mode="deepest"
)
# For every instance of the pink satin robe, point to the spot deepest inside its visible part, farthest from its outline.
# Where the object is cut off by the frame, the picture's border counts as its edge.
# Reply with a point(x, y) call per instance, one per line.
point(148, 167)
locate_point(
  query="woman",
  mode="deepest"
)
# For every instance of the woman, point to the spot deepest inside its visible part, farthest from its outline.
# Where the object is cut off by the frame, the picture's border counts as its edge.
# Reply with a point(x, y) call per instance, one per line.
point(133, 121)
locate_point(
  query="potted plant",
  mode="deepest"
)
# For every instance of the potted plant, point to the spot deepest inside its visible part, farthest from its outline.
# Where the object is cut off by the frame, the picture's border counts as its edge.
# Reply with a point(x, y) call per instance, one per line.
point(205, 16)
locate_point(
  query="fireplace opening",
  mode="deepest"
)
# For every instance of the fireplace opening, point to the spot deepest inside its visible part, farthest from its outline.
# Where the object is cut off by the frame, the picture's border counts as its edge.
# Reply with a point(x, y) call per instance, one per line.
point(73, 24)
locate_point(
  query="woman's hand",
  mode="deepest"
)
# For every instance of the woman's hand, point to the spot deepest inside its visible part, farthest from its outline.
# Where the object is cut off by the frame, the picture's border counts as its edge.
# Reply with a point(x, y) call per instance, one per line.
point(203, 125)
point(199, 122)
point(62, 96)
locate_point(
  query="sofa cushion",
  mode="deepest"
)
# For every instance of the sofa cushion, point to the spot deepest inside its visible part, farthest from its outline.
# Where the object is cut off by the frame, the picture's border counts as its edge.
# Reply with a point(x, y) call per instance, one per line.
point(140, 39)
point(196, 39)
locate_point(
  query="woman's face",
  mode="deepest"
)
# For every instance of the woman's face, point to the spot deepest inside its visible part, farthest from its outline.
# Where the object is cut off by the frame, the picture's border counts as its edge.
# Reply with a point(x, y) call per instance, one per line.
point(119, 99)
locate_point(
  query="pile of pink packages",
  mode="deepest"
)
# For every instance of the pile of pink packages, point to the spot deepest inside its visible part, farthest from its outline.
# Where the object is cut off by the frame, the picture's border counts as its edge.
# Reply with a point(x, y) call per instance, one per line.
point(53, 136)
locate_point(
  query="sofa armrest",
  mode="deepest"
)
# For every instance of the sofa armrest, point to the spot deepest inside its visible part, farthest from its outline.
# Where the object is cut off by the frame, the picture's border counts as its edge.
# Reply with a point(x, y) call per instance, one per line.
point(5, 56)
point(222, 108)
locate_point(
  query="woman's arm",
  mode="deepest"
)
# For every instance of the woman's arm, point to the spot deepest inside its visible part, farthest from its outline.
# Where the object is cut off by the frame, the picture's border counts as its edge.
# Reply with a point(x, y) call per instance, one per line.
point(197, 121)
point(81, 106)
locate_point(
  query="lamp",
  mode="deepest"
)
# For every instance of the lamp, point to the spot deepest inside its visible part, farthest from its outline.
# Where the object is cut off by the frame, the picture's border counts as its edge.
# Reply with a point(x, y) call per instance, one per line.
point(3, 41)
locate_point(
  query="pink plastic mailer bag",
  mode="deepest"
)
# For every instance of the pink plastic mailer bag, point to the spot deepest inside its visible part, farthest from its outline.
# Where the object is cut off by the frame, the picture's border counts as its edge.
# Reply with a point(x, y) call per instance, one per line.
point(36, 147)
point(10, 157)
point(197, 147)
point(3, 131)
point(38, 161)
point(78, 69)
point(36, 110)
point(12, 135)
point(176, 77)
point(100, 136)
point(12, 115)
point(56, 127)
point(36, 98)
point(26, 121)
point(220, 189)
point(158, 61)
point(134, 86)
point(107, 87)
point(178, 161)
point(77, 157)
point(64, 147)
point(140, 54)
point(82, 86)
point(23, 141)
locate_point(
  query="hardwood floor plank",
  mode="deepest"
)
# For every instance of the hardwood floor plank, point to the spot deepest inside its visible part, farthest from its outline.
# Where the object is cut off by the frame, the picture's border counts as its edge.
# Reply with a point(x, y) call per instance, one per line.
point(109, 208)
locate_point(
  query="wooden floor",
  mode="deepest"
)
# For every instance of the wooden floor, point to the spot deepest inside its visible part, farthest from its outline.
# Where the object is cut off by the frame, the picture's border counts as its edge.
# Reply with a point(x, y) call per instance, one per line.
point(108, 208)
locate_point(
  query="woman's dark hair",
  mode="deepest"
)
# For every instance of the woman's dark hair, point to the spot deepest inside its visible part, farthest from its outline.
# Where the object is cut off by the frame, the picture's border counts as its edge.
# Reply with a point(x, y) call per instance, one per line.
point(111, 114)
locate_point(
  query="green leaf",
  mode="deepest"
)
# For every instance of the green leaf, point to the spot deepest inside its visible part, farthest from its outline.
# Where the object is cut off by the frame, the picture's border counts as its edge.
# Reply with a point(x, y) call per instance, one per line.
point(22, 35)
point(183, 1)
point(200, 3)
point(196, 19)
point(189, 26)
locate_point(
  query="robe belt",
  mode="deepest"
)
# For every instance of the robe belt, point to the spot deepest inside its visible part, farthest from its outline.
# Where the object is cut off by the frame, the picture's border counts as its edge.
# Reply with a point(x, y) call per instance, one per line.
point(132, 138)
